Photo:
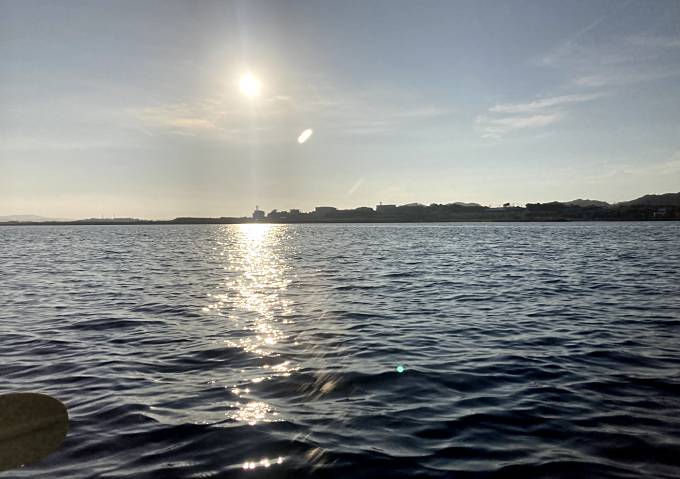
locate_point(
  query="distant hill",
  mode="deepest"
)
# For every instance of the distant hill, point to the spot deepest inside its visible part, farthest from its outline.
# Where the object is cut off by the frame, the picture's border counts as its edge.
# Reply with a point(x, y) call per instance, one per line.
point(666, 199)
point(32, 218)
point(586, 203)
point(460, 203)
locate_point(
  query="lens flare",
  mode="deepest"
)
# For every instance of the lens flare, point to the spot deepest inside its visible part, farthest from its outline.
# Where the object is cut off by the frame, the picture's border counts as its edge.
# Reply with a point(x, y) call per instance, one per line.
point(304, 136)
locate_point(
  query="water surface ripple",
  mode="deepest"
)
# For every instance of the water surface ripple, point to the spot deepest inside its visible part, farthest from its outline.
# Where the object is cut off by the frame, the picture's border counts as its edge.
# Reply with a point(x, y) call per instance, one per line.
point(458, 350)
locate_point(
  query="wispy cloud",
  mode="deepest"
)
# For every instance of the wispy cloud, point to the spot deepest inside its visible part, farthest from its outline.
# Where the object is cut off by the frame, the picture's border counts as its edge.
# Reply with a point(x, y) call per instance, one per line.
point(504, 118)
point(423, 112)
point(650, 41)
point(495, 128)
point(18, 143)
point(193, 123)
point(542, 103)
point(618, 78)
point(666, 169)
point(594, 56)
point(214, 118)
point(222, 118)
point(616, 60)
point(175, 116)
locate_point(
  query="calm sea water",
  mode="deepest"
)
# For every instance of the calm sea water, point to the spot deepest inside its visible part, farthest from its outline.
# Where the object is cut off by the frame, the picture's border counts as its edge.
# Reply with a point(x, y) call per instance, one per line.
point(458, 350)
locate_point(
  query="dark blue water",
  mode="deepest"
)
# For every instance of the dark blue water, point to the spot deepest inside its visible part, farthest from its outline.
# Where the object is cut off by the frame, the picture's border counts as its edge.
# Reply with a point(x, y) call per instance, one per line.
point(525, 350)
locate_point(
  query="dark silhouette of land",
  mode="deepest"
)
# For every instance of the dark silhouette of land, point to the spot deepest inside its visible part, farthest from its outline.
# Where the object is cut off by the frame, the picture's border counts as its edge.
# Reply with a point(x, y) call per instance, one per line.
point(664, 207)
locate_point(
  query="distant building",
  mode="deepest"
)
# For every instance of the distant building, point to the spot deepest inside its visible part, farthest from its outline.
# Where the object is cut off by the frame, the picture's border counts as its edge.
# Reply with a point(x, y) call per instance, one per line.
point(385, 208)
point(661, 213)
point(258, 214)
point(294, 211)
point(324, 210)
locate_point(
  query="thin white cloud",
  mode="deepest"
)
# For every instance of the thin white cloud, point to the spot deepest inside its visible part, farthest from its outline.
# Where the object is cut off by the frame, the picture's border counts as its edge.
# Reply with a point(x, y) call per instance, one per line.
point(329, 110)
point(504, 118)
point(424, 112)
point(496, 127)
point(598, 80)
point(653, 41)
point(17, 143)
point(542, 103)
point(533, 121)
point(193, 123)
point(556, 55)
point(616, 60)
point(666, 169)
point(625, 77)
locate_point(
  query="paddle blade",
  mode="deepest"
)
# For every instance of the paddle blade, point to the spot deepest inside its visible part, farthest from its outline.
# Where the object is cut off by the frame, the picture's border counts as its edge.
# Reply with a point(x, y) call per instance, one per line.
point(31, 427)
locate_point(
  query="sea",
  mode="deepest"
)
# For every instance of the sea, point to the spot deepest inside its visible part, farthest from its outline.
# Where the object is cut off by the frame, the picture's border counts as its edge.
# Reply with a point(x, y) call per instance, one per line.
point(459, 350)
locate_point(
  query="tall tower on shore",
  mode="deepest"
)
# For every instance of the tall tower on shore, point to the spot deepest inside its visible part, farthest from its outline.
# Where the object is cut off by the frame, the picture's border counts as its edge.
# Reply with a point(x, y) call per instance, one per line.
point(258, 214)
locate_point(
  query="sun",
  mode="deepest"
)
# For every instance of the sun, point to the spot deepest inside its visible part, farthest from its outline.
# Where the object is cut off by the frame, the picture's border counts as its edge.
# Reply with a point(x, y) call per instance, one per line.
point(250, 85)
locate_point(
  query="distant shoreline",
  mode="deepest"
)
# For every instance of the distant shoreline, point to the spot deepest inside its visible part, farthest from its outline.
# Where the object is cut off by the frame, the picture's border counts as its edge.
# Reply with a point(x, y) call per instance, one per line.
point(249, 221)
point(665, 207)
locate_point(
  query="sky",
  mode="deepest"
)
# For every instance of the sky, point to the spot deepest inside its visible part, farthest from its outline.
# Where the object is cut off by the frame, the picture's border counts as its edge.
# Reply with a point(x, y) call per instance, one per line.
point(133, 108)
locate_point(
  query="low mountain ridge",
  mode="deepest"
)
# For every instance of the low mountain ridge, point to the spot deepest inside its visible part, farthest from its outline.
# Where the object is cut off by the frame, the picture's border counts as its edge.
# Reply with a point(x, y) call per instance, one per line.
point(584, 203)
point(666, 199)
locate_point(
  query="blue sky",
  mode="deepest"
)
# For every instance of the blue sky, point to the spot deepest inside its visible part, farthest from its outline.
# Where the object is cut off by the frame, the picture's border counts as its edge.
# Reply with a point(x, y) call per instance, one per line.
point(132, 108)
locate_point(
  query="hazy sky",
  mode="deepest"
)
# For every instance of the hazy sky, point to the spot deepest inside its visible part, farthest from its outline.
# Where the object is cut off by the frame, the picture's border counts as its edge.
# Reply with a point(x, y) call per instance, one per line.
point(132, 108)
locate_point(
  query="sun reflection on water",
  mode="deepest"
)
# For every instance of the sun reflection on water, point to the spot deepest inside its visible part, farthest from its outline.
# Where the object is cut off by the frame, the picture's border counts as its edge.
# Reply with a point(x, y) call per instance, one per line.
point(252, 292)
point(254, 412)
point(251, 298)
point(265, 462)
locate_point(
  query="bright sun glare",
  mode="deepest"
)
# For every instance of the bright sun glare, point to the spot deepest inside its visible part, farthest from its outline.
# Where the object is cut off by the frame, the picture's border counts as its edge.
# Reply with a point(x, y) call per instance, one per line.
point(250, 85)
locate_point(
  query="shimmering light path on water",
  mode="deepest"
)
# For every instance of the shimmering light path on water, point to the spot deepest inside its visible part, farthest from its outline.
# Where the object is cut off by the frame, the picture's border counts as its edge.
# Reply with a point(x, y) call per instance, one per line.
point(458, 350)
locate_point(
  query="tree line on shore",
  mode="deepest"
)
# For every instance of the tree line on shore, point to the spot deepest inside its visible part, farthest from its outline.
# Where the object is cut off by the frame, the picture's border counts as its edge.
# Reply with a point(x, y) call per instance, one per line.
point(647, 208)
